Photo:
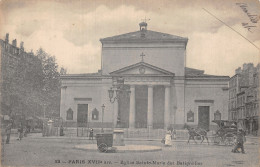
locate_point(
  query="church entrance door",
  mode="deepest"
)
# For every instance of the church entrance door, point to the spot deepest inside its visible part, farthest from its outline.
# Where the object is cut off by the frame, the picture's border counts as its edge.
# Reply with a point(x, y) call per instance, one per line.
point(158, 107)
point(123, 108)
point(141, 102)
point(82, 116)
point(203, 117)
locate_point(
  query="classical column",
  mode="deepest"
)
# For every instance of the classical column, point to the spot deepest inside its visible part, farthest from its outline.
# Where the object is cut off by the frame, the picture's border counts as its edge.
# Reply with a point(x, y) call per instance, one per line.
point(150, 107)
point(115, 112)
point(167, 107)
point(132, 108)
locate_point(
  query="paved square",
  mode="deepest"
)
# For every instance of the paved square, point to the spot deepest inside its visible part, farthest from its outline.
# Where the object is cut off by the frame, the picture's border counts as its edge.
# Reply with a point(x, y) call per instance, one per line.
point(61, 151)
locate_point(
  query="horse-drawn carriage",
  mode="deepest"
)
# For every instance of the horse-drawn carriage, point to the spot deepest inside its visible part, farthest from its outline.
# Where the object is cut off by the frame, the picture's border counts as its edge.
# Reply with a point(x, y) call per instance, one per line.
point(227, 132)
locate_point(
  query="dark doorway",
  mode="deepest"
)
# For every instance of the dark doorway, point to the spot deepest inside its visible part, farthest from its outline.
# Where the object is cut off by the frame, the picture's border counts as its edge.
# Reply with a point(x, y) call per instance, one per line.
point(124, 107)
point(203, 117)
point(158, 107)
point(141, 101)
point(82, 116)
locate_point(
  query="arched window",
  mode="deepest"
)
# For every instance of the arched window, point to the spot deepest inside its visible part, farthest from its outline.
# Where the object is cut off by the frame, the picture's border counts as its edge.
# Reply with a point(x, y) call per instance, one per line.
point(190, 116)
point(217, 115)
point(95, 114)
point(69, 114)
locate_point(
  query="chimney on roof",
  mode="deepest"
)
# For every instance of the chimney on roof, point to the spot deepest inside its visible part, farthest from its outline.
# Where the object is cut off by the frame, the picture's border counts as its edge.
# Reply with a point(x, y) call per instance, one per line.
point(21, 45)
point(21, 48)
point(258, 67)
point(250, 67)
point(238, 70)
point(31, 53)
point(7, 37)
point(14, 42)
point(244, 66)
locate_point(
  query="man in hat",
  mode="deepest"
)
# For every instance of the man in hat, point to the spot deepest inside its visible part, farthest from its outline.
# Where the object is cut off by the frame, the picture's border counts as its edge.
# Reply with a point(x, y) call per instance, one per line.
point(61, 131)
point(91, 134)
point(240, 142)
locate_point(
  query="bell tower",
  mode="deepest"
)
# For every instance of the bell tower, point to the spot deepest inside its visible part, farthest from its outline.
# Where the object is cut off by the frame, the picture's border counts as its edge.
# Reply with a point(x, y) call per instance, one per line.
point(143, 26)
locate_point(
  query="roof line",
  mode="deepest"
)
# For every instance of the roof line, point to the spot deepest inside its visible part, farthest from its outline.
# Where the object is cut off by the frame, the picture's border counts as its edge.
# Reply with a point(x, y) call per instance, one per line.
point(142, 63)
point(173, 37)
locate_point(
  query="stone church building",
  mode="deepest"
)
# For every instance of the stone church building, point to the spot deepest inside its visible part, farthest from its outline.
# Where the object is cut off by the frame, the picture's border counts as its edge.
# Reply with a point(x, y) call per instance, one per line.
point(160, 90)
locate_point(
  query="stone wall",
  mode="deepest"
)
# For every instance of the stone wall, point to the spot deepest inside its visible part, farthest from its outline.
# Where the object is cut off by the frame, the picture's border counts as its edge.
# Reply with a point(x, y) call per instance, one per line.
point(116, 56)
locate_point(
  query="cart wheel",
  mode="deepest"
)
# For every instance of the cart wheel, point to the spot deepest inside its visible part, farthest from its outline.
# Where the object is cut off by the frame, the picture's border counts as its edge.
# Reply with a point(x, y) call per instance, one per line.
point(102, 147)
point(230, 139)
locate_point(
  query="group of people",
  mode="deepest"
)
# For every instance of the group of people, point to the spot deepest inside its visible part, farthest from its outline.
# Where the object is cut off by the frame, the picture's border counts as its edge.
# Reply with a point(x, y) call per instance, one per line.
point(169, 136)
point(22, 132)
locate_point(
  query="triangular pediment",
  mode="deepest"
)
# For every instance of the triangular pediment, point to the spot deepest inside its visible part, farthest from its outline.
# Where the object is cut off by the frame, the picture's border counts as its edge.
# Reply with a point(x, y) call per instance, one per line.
point(142, 68)
point(149, 35)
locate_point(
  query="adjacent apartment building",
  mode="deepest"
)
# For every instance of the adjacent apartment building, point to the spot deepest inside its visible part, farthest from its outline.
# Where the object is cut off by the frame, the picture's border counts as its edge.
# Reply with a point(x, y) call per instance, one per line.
point(15, 66)
point(244, 97)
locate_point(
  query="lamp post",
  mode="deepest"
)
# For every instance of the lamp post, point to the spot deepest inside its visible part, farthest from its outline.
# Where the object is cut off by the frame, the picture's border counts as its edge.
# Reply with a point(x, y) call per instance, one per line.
point(117, 88)
point(111, 94)
point(103, 108)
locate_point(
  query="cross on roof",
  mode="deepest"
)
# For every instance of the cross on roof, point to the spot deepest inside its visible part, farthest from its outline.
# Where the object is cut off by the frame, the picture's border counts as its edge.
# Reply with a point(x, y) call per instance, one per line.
point(142, 55)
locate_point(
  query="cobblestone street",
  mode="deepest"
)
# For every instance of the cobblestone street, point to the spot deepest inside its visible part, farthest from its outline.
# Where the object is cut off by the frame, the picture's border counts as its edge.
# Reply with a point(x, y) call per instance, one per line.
point(38, 151)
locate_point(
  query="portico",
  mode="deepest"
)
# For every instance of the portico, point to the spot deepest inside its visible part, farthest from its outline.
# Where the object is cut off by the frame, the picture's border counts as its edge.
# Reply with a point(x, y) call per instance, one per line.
point(148, 111)
point(149, 103)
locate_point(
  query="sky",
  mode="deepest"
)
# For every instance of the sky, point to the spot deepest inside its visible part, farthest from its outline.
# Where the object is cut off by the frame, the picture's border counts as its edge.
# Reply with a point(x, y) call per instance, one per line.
point(71, 30)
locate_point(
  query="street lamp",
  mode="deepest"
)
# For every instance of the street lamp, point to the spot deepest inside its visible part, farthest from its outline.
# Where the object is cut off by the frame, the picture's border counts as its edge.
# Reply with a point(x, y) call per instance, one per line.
point(117, 88)
point(111, 94)
point(103, 108)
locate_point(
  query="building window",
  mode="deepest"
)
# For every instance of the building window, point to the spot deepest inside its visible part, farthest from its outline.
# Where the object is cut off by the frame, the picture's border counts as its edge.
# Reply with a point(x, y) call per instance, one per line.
point(69, 114)
point(95, 114)
point(190, 116)
point(217, 115)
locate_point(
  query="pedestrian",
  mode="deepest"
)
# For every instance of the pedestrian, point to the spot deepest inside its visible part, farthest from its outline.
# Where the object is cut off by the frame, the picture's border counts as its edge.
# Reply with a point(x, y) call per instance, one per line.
point(8, 132)
point(28, 127)
point(44, 129)
point(25, 131)
point(20, 132)
point(168, 140)
point(61, 131)
point(174, 134)
point(91, 134)
point(170, 128)
point(240, 142)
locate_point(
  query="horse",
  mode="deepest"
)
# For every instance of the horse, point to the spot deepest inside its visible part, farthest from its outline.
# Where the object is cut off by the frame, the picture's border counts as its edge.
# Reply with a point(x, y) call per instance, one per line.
point(196, 132)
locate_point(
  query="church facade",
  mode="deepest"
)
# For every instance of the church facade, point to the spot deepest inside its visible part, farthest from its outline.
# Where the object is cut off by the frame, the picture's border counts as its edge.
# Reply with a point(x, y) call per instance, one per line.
point(159, 90)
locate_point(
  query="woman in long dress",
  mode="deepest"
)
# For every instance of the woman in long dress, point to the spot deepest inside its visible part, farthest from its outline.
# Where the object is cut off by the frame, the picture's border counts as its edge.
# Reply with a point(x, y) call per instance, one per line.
point(168, 140)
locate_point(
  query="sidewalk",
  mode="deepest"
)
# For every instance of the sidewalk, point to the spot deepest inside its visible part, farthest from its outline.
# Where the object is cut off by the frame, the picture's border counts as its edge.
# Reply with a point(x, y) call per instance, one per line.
point(250, 139)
